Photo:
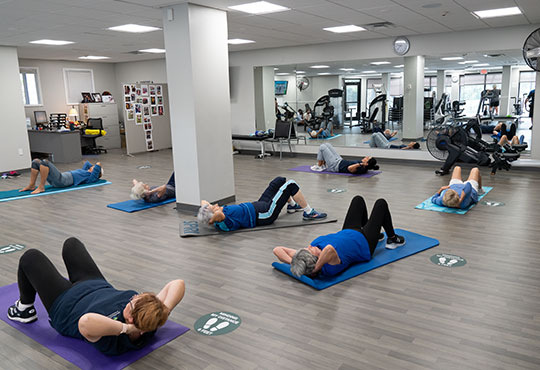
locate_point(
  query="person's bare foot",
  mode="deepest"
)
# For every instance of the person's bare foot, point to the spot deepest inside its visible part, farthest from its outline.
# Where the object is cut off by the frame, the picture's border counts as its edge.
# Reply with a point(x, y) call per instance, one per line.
point(28, 188)
point(38, 190)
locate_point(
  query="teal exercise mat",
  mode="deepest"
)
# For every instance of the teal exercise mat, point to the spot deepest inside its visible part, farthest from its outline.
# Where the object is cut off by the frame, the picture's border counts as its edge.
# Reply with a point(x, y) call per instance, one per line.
point(191, 227)
point(324, 138)
point(429, 206)
point(131, 206)
point(414, 243)
point(391, 139)
point(6, 196)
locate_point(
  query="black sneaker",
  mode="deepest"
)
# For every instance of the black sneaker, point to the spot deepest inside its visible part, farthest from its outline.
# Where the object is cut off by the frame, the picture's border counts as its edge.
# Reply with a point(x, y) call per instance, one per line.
point(381, 237)
point(395, 241)
point(27, 316)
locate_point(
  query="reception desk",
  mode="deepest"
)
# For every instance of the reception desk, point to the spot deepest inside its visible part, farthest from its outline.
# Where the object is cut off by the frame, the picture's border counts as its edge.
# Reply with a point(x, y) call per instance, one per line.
point(63, 146)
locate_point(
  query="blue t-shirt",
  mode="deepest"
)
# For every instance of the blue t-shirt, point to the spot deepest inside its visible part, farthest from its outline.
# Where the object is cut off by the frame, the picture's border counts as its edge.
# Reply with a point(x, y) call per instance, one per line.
point(238, 216)
point(96, 296)
point(351, 247)
point(471, 196)
point(82, 176)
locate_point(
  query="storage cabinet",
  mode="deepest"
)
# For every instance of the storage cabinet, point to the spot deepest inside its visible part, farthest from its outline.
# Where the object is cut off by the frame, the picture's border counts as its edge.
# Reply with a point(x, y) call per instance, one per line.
point(108, 112)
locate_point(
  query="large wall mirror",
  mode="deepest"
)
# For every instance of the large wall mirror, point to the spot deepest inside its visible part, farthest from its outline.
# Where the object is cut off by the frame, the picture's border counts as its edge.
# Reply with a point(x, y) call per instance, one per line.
point(371, 97)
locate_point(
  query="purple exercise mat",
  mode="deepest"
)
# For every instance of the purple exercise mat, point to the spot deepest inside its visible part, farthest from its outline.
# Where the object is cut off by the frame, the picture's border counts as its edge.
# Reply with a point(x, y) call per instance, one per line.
point(76, 351)
point(308, 169)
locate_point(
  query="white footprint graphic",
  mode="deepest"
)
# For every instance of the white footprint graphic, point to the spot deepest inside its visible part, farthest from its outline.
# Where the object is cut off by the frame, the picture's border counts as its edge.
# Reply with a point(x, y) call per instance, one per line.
point(219, 326)
point(452, 261)
point(210, 322)
point(442, 260)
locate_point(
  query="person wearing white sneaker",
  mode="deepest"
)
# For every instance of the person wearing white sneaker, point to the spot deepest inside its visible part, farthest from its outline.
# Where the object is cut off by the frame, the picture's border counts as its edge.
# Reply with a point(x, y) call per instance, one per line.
point(86, 306)
point(328, 159)
point(332, 254)
point(265, 211)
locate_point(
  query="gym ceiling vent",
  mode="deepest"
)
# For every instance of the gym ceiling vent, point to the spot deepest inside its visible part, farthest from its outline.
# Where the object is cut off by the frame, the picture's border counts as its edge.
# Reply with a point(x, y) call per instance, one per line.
point(379, 25)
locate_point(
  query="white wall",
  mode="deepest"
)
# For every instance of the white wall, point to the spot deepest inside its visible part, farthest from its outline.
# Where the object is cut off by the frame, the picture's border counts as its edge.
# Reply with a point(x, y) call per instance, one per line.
point(14, 147)
point(51, 78)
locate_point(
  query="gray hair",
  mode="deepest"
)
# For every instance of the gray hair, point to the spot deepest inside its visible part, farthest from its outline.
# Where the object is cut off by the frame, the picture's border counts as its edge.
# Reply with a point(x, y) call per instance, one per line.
point(205, 214)
point(303, 263)
point(137, 190)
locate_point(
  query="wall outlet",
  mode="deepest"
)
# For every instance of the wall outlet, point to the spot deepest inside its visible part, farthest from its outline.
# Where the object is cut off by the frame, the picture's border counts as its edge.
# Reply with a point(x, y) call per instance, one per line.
point(21, 151)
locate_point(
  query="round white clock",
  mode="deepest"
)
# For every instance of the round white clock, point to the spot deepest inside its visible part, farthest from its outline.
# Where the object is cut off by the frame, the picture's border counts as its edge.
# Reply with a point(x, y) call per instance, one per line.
point(401, 45)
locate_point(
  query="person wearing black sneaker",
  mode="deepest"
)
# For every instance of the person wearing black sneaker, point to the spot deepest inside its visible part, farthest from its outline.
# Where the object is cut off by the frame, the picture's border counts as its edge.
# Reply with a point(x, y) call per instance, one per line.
point(263, 212)
point(331, 254)
point(86, 306)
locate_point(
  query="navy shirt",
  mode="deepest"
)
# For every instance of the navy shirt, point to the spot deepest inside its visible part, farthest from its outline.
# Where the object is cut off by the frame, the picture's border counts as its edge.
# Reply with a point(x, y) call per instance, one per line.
point(96, 296)
point(238, 216)
point(471, 196)
point(82, 176)
point(344, 164)
point(351, 247)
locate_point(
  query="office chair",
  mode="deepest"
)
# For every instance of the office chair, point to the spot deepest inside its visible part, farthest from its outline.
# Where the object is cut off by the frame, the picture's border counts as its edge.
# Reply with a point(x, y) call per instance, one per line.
point(94, 124)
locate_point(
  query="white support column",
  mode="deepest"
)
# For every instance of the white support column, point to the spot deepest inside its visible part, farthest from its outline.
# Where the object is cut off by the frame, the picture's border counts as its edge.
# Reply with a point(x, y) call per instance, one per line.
point(265, 110)
point(198, 77)
point(535, 139)
point(504, 108)
point(454, 93)
point(441, 78)
point(413, 98)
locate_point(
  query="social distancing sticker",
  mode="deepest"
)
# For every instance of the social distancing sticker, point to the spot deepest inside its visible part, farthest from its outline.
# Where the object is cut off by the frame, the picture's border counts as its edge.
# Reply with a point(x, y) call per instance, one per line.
point(448, 260)
point(11, 248)
point(217, 323)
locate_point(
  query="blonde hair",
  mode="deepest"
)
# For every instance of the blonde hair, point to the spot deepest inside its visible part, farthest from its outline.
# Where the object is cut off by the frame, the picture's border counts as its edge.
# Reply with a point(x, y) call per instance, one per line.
point(451, 198)
point(137, 190)
point(149, 313)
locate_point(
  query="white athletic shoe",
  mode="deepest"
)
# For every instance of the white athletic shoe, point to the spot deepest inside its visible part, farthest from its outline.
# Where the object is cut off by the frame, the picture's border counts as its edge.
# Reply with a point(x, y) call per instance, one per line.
point(318, 168)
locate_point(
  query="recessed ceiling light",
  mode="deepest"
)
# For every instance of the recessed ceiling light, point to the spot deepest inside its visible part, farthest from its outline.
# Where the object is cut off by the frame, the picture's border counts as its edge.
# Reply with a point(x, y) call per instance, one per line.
point(344, 29)
point(259, 7)
point(276, 69)
point(430, 72)
point(152, 50)
point(323, 73)
point(369, 71)
point(51, 42)
point(93, 57)
point(501, 12)
point(481, 65)
point(319, 66)
point(452, 58)
point(282, 74)
point(300, 72)
point(399, 66)
point(346, 69)
point(380, 63)
point(239, 41)
point(468, 62)
point(133, 28)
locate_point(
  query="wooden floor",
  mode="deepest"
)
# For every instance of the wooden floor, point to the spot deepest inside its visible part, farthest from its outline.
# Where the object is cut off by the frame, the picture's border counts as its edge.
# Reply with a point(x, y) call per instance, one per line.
point(411, 314)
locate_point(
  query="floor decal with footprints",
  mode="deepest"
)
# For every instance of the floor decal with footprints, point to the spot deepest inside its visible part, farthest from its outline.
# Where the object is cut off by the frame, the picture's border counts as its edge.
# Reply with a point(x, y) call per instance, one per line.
point(448, 260)
point(217, 323)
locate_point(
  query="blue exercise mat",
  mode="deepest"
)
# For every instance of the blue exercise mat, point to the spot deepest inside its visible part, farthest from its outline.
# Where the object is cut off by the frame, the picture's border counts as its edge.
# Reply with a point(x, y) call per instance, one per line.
point(414, 243)
point(138, 205)
point(6, 196)
point(391, 139)
point(429, 206)
point(324, 138)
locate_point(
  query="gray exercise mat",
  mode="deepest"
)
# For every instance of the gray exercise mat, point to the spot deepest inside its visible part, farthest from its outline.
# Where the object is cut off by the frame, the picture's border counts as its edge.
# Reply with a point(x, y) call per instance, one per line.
point(190, 227)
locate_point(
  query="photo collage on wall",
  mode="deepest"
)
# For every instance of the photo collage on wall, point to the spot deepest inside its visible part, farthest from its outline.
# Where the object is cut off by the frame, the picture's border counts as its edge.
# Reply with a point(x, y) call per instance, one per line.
point(141, 103)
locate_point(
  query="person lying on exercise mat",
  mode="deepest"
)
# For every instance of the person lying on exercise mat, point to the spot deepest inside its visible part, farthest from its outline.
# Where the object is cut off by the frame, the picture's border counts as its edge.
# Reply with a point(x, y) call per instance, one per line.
point(49, 173)
point(459, 194)
point(263, 212)
point(387, 133)
point(379, 140)
point(331, 254)
point(86, 306)
point(329, 160)
point(326, 130)
point(153, 194)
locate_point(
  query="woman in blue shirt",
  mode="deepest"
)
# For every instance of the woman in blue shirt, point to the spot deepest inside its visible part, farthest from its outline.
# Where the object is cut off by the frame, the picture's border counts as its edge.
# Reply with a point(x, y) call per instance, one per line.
point(265, 211)
point(331, 254)
point(86, 306)
point(459, 194)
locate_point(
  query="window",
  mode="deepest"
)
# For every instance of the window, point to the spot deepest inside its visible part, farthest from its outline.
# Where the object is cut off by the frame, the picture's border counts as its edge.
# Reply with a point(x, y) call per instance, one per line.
point(30, 86)
point(77, 81)
point(527, 82)
point(373, 84)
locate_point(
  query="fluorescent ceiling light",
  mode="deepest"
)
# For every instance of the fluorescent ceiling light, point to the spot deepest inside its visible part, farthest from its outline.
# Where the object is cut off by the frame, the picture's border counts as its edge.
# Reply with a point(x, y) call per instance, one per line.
point(346, 69)
point(152, 50)
point(51, 42)
point(94, 57)
point(282, 74)
point(369, 71)
point(452, 58)
point(468, 62)
point(319, 66)
point(133, 28)
point(239, 41)
point(492, 13)
point(300, 72)
point(259, 7)
point(344, 29)
point(430, 72)
point(380, 63)
point(480, 65)
point(373, 75)
point(399, 66)
point(276, 69)
point(324, 73)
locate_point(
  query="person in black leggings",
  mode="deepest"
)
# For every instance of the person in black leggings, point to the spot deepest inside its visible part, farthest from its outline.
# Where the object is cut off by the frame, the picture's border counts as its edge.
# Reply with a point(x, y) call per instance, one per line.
point(86, 306)
point(356, 242)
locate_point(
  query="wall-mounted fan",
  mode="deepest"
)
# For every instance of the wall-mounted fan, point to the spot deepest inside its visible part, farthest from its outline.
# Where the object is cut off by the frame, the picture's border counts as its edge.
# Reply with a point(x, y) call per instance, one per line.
point(302, 83)
point(531, 50)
